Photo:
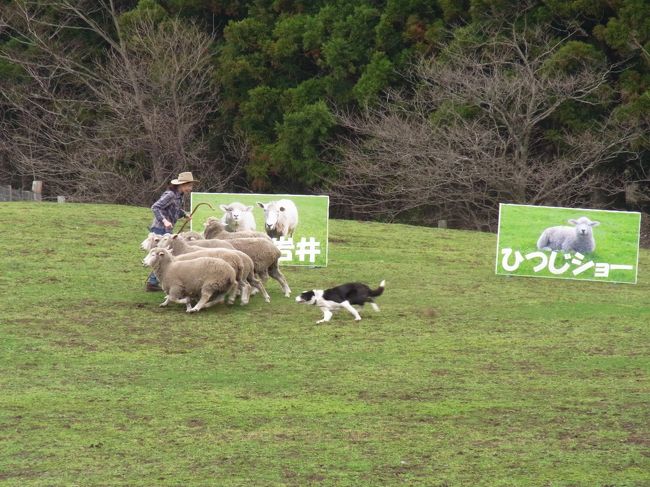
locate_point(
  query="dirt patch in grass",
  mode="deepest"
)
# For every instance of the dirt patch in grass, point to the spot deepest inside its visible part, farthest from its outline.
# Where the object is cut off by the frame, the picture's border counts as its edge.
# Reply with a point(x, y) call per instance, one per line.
point(76, 343)
point(111, 223)
point(431, 313)
point(195, 423)
point(20, 474)
point(639, 440)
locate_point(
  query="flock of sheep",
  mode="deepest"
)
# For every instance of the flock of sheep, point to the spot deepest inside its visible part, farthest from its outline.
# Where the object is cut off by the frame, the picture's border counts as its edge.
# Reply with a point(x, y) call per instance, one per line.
point(229, 258)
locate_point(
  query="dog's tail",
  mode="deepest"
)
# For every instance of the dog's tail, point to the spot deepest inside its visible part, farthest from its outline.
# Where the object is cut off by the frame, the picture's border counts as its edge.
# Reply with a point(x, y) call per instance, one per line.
point(379, 291)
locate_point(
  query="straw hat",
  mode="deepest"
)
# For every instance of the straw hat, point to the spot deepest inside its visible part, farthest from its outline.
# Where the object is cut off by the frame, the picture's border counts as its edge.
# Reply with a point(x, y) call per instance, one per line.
point(184, 177)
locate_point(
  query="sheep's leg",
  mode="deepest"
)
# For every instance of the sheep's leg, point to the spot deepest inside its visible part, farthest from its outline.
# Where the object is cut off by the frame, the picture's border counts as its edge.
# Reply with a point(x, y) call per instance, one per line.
point(327, 315)
point(173, 297)
point(258, 286)
point(263, 275)
point(205, 298)
point(350, 308)
point(233, 295)
point(221, 297)
point(245, 292)
point(232, 291)
point(274, 272)
point(185, 301)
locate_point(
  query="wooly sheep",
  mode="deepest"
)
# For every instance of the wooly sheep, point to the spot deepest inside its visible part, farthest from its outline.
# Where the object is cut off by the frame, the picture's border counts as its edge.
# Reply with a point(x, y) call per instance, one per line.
point(210, 279)
point(239, 261)
point(213, 243)
point(280, 218)
point(265, 256)
point(191, 235)
point(151, 241)
point(238, 217)
point(213, 228)
point(578, 238)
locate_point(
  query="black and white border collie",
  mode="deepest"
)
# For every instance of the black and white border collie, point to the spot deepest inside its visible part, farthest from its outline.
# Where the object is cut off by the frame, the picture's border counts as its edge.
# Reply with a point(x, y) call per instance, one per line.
point(342, 297)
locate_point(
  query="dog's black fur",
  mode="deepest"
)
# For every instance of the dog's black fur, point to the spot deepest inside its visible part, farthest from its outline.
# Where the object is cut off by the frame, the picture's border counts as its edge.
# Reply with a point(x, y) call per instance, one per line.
point(343, 296)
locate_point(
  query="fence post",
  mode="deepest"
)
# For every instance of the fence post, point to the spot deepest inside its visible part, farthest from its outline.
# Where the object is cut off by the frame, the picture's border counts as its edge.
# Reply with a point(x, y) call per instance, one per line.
point(442, 223)
point(37, 189)
point(60, 199)
point(9, 192)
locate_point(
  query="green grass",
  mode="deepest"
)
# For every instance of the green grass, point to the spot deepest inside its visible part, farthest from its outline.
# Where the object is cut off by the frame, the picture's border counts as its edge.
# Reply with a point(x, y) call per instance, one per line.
point(464, 378)
point(617, 239)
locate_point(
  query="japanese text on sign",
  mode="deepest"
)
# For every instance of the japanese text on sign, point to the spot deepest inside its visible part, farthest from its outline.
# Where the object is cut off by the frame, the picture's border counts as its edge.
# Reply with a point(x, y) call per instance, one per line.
point(566, 262)
point(304, 249)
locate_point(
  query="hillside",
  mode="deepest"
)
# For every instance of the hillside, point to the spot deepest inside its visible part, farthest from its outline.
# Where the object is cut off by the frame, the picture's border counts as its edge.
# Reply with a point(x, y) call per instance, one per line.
point(463, 378)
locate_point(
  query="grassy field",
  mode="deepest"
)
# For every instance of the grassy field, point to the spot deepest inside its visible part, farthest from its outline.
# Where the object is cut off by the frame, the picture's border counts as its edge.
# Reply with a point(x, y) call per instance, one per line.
point(463, 379)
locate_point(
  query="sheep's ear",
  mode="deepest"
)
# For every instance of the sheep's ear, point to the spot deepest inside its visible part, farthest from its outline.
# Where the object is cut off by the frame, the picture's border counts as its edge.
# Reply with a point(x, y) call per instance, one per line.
point(594, 224)
point(572, 221)
point(161, 252)
point(261, 205)
point(224, 207)
point(249, 208)
point(175, 236)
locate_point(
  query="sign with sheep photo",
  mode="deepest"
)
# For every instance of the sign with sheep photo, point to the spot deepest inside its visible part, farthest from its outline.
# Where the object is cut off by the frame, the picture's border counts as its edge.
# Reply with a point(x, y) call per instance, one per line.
point(297, 224)
point(568, 243)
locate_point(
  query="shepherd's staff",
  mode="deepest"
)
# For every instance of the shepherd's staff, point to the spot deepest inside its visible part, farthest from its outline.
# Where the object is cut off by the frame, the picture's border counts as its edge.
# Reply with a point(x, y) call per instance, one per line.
point(189, 217)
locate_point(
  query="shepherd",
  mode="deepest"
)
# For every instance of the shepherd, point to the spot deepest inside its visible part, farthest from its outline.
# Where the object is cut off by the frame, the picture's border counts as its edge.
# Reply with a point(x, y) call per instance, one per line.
point(167, 210)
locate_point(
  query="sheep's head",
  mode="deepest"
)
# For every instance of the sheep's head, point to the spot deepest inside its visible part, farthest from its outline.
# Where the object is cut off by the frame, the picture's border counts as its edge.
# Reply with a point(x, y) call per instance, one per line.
point(166, 241)
point(235, 212)
point(272, 214)
point(154, 256)
point(214, 224)
point(583, 226)
point(152, 241)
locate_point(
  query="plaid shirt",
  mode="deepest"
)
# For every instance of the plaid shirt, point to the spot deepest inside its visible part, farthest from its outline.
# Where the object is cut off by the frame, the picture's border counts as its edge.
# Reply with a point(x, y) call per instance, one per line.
point(169, 206)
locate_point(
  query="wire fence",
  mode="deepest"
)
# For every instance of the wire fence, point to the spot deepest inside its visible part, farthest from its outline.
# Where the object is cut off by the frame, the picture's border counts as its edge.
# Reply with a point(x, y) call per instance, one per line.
point(7, 193)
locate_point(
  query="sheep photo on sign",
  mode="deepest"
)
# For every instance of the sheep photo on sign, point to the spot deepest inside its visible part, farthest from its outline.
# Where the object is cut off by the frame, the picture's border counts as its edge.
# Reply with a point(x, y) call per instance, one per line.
point(568, 243)
point(296, 224)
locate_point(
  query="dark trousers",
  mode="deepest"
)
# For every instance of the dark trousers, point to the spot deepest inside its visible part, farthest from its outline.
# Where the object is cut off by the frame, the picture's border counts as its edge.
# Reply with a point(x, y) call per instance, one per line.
point(152, 279)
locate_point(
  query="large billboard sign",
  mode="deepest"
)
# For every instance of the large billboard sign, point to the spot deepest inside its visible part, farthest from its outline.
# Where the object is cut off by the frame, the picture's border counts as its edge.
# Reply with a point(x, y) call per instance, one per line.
point(568, 243)
point(298, 224)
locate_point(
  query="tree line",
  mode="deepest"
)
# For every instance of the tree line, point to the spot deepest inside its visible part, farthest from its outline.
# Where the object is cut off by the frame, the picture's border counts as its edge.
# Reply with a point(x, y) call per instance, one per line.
point(409, 110)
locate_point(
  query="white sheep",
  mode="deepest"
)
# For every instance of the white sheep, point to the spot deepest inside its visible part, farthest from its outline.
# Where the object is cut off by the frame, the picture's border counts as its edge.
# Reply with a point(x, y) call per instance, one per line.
point(265, 256)
point(280, 218)
point(241, 262)
point(238, 217)
point(151, 241)
point(210, 279)
point(191, 235)
point(214, 228)
point(578, 238)
point(212, 243)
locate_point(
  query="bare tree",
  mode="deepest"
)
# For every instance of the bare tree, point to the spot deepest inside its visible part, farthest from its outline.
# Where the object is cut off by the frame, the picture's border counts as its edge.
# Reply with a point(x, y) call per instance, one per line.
point(471, 134)
point(116, 126)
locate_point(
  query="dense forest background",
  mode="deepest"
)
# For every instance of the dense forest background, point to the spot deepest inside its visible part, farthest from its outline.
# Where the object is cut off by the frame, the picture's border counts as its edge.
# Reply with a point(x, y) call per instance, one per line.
point(407, 110)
